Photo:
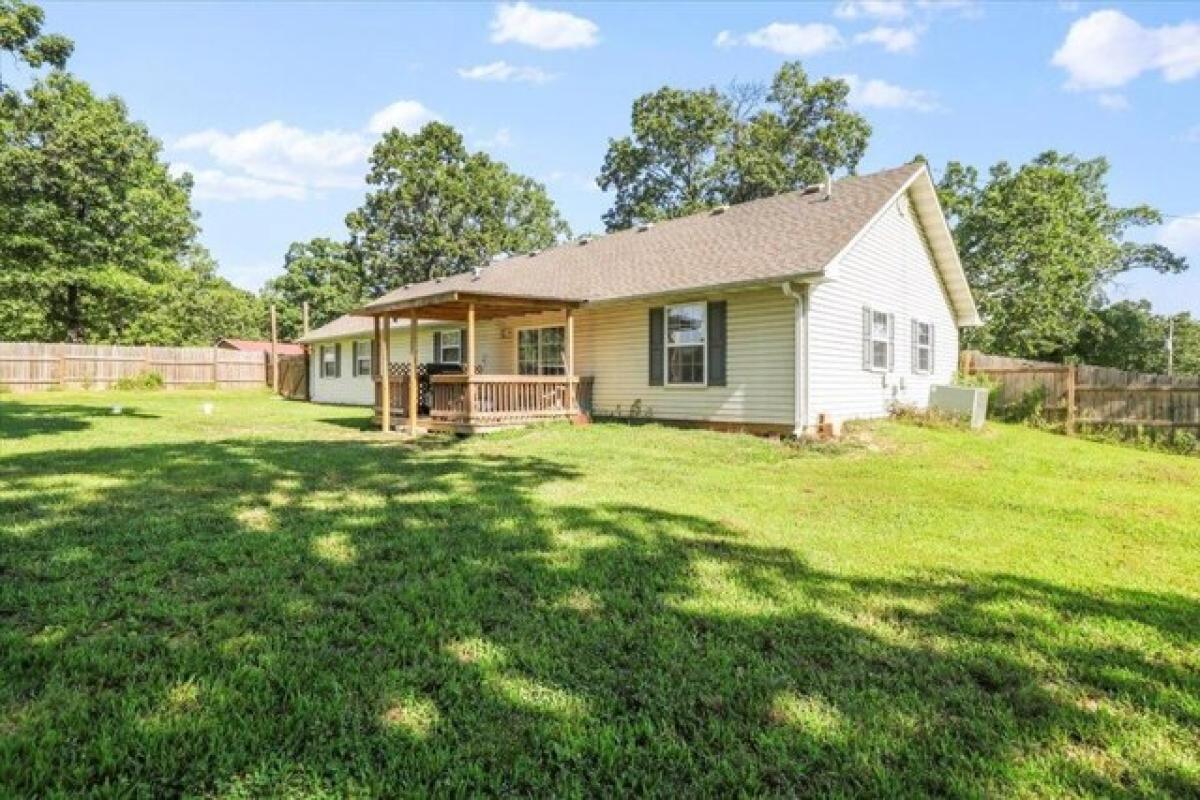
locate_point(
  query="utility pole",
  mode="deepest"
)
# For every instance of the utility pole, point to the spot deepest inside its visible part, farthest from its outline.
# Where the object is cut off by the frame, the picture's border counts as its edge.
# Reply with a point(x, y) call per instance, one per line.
point(305, 310)
point(1171, 346)
point(274, 355)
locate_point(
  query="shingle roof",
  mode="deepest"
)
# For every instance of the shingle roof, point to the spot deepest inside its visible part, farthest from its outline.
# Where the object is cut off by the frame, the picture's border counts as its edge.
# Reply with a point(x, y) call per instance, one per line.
point(257, 346)
point(784, 236)
point(347, 325)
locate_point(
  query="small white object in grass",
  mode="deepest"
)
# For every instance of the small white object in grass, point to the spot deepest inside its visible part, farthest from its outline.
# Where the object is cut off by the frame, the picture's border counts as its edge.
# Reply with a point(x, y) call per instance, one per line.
point(207, 408)
point(117, 409)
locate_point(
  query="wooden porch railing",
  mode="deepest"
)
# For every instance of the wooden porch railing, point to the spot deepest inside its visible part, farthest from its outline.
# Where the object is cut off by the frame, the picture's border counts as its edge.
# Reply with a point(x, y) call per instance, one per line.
point(501, 399)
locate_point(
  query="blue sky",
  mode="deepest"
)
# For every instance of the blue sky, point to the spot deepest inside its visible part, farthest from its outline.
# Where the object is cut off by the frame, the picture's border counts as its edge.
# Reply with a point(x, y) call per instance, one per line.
point(273, 105)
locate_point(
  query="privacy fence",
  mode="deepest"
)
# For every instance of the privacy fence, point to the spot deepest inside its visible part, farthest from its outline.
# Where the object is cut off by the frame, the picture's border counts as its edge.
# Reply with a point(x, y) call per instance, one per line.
point(32, 367)
point(1082, 395)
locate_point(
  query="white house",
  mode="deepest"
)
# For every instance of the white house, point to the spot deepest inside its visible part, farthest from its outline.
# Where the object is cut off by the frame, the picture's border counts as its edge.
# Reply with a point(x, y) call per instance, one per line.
point(838, 301)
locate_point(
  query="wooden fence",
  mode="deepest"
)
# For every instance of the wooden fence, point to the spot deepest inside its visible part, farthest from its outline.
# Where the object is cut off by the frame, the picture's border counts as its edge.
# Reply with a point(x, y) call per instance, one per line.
point(32, 367)
point(293, 377)
point(1088, 395)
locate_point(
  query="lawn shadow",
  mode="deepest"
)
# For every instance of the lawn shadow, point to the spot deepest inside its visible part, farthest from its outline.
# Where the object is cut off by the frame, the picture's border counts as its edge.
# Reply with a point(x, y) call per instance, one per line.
point(264, 617)
point(22, 420)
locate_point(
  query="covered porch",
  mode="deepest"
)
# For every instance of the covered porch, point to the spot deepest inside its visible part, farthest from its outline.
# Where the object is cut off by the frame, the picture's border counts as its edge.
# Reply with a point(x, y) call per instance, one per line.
point(468, 400)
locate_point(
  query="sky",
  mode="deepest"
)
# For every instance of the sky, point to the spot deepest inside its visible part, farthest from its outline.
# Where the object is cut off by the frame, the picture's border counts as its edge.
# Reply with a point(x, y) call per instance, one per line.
point(274, 106)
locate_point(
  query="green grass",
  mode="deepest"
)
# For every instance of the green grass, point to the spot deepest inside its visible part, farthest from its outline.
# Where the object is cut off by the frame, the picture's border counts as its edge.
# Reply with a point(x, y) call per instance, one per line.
point(273, 600)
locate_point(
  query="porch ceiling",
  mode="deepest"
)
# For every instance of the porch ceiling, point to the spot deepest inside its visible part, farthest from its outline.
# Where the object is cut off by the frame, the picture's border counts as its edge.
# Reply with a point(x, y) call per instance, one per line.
point(453, 305)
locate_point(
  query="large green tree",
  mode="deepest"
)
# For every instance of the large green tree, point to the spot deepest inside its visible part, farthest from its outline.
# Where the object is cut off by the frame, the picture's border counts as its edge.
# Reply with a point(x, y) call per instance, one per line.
point(90, 220)
point(21, 38)
point(691, 149)
point(1129, 335)
point(1039, 243)
point(320, 272)
point(435, 209)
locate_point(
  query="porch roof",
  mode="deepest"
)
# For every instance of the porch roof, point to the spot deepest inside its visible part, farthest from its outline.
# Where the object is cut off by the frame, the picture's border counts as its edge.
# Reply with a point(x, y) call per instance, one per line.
point(453, 304)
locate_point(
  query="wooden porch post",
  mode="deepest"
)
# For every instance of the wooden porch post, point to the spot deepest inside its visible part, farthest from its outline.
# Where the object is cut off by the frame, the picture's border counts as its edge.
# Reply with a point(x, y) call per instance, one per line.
point(569, 333)
point(412, 373)
point(385, 372)
point(470, 361)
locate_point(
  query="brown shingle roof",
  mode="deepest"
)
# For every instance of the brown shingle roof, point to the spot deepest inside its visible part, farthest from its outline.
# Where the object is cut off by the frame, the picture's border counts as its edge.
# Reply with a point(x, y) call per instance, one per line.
point(777, 237)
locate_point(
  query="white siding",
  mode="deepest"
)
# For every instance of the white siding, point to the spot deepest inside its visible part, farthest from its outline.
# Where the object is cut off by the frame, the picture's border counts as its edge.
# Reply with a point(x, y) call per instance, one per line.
point(888, 269)
point(359, 390)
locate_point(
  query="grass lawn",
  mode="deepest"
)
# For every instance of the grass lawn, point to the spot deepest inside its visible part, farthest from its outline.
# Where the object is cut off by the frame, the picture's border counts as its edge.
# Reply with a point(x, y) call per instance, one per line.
point(274, 600)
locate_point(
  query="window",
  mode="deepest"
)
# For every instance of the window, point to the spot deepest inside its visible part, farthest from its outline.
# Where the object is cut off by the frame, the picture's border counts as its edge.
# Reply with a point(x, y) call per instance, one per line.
point(329, 360)
point(362, 358)
point(878, 340)
point(540, 351)
point(922, 347)
point(686, 345)
point(451, 348)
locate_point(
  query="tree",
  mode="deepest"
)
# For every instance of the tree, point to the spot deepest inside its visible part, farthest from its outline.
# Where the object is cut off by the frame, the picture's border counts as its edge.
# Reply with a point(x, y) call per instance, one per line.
point(435, 209)
point(320, 272)
point(90, 220)
point(1129, 335)
point(694, 149)
point(21, 37)
point(1039, 243)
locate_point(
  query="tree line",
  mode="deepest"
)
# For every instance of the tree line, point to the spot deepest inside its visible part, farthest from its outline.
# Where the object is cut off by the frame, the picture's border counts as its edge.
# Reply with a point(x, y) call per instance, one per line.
point(98, 241)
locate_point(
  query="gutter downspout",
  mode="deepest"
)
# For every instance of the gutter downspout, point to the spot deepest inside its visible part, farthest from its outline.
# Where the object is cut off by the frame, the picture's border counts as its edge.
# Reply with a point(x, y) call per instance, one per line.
point(800, 389)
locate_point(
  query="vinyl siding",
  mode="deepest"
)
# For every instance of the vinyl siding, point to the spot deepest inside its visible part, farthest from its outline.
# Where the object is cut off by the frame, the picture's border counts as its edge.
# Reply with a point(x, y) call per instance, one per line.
point(359, 391)
point(888, 269)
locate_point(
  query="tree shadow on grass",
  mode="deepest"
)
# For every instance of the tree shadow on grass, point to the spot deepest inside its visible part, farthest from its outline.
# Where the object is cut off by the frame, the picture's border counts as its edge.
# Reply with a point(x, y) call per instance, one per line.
point(277, 617)
point(22, 420)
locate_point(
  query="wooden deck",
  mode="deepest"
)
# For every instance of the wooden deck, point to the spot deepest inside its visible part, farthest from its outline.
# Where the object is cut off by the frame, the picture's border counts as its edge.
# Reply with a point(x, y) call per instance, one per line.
point(481, 403)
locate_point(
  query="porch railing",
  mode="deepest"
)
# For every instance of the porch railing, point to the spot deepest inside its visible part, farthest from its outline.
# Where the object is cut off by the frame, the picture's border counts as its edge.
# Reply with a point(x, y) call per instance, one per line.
point(499, 399)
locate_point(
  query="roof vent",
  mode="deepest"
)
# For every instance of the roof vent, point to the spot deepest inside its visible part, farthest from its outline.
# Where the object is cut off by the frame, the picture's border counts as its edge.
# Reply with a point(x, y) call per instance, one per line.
point(437, 279)
point(645, 226)
point(533, 253)
point(584, 240)
point(477, 271)
point(721, 209)
point(812, 188)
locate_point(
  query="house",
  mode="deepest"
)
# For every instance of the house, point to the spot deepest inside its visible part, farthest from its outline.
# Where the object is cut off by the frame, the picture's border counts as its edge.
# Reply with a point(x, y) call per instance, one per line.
point(256, 346)
point(831, 303)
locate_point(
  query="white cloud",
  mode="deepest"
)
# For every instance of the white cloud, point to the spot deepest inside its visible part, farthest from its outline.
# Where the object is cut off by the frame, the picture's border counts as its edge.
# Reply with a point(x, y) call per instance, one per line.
point(1113, 101)
point(1108, 49)
point(277, 160)
point(786, 38)
point(1182, 235)
point(875, 9)
point(546, 30)
point(407, 115)
point(893, 40)
point(213, 184)
point(875, 93)
point(503, 71)
point(500, 139)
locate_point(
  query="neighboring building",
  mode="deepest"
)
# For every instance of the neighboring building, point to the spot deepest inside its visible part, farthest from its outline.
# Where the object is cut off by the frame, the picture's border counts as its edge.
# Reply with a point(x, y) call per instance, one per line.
point(837, 301)
point(256, 346)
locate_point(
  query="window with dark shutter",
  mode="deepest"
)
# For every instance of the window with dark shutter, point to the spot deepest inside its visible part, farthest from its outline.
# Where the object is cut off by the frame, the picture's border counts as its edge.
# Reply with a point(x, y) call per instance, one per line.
point(657, 336)
point(337, 360)
point(716, 343)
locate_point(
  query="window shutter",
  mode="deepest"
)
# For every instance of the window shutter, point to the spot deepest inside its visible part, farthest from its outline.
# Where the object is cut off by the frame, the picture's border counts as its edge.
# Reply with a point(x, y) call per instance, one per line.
point(437, 347)
point(374, 360)
point(914, 354)
point(891, 342)
point(337, 360)
point(657, 334)
point(716, 343)
point(462, 347)
point(866, 344)
point(932, 352)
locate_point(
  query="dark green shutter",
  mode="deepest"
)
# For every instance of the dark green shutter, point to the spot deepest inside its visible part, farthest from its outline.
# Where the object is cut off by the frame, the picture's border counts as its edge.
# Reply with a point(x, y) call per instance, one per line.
point(657, 331)
point(716, 343)
point(462, 346)
point(374, 360)
point(437, 347)
point(337, 360)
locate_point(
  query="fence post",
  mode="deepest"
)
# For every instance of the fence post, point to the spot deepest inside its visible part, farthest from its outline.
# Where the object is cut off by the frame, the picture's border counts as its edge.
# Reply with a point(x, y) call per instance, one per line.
point(1070, 427)
point(216, 372)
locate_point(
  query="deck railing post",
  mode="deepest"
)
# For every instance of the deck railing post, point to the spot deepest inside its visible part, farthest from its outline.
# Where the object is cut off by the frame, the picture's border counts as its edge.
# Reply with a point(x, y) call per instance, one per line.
point(414, 358)
point(470, 388)
point(569, 333)
point(385, 372)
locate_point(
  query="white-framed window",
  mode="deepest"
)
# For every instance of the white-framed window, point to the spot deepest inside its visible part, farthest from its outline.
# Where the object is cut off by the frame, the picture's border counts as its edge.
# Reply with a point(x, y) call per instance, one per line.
point(686, 346)
point(362, 358)
point(329, 360)
point(541, 351)
point(922, 347)
point(879, 328)
point(451, 348)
